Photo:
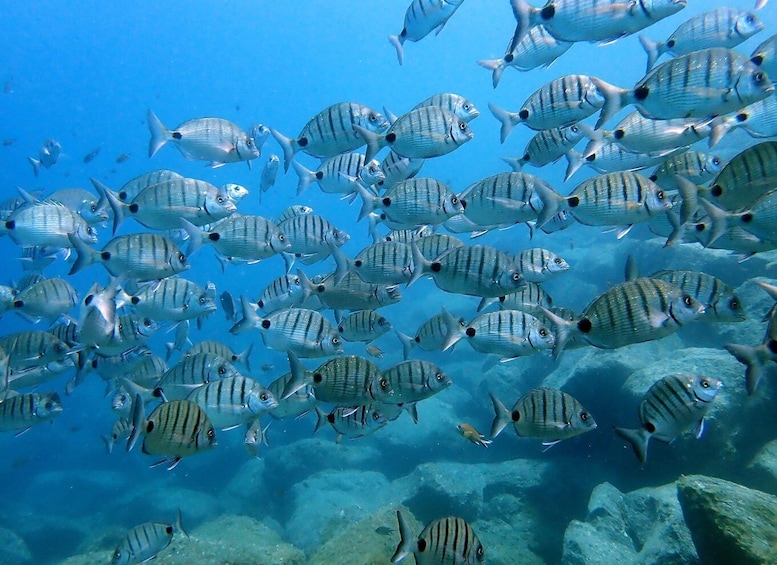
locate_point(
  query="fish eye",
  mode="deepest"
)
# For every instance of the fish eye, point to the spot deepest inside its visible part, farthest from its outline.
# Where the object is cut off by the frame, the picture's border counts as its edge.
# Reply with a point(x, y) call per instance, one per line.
point(455, 200)
point(750, 19)
point(557, 260)
point(716, 161)
point(516, 277)
point(222, 370)
point(263, 397)
point(202, 300)
point(282, 237)
point(211, 433)
point(182, 258)
point(575, 128)
point(147, 322)
point(467, 106)
point(382, 322)
point(93, 207)
point(49, 405)
point(463, 126)
point(335, 341)
point(758, 77)
point(438, 376)
point(220, 199)
point(250, 142)
point(687, 300)
point(375, 415)
point(584, 416)
point(543, 332)
point(705, 383)
point(91, 231)
point(383, 383)
point(734, 304)
point(121, 327)
point(373, 118)
point(480, 551)
point(660, 194)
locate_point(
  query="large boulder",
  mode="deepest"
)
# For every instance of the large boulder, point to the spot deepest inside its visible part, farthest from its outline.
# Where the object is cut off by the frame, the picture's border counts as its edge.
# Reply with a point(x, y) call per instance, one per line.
point(640, 527)
point(764, 468)
point(729, 523)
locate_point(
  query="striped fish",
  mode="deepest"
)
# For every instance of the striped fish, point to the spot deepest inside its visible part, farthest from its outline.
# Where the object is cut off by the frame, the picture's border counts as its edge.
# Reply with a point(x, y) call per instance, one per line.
point(363, 325)
point(406, 236)
point(696, 166)
point(673, 405)
point(429, 131)
point(549, 145)
point(765, 56)
point(142, 543)
point(341, 174)
point(33, 348)
point(135, 186)
point(351, 421)
point(310, 236)
point(47, 224)
point(144, 370)
point(431, 335)
point(350, 293)
point(22, 411)
point(397, 168)
point(223, 351)
point(297, 403)
point(131, 331)
point(232, 401)
point(559, 103)
point(142, 256)
point(332, 131)
point(119, 432)
point(83, 203)
point(345, 380)
point(720, 301)
point(414, 202)
point(538, 265)
point(635, 311)
point(611, 157)
point(31, 377)
point(721, 27)
point(475, 270)
point(269, 174)
point(247, 238)
point(283, 292)
point(235, 192)
point(538, 48)
point(434, 245)
point(545, 414)
point(172, 299)
point(175, 429)
point(216, 140)
point(421, 18)
point(294, 210)
point(701, 84)
point(528, 299)
point(305, 332)
point(507, 198)
point(49, 298)
point(507, 333)
point(445, 540)
point(591, 20)
point(194, 371)
point(161, 206)
point(385, 262)
point(758, 120)
point(416, 380)
point(456, 103)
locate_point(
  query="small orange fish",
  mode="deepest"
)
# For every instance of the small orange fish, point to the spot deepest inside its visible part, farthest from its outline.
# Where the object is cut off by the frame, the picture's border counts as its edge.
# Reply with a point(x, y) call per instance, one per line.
point(473, 435)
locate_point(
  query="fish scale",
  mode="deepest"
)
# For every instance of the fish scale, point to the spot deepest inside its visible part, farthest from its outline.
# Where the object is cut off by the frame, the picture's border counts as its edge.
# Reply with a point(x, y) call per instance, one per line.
point(548, 146)
point(250, 238)
point(507, 333)
point(414, 202)
point(349, 379)
point(505, 198)
point(232, 401)
point(415, 380)
point(448, 540)
point(311, 234)
point(721, 303)
point(47, 223)
point(193, 371)
point(25, 410)
point(455, 103)
point(385, 262)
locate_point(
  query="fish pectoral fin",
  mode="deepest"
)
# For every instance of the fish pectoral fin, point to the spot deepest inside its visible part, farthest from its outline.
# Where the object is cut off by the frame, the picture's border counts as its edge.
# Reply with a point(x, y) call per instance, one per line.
point(657, 319)
point(215, 164)
point(700, 428)
point(549, 444)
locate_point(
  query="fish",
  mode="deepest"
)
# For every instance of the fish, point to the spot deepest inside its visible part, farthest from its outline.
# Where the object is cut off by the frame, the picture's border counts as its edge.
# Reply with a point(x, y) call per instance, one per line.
point(421, 18)
point(235, 192)
point(345, 380)
point(136, 185)
point(635, 311)
point(130, 331)
point(448, 539)
point(171, 299)
point(433, 246)
point(305, 332)
point(611, 157)
point(721, 27)
point(215, 140)
point(269, 173)
point(192, 372)
point(537, 48)
point(283, 292)
point(374, 351)
point(89, 157)
point(537, 265)
point(413, 202)
point(415, 380)
point(9, 141)
point(310, 236)
point(142, 256)
point(384, 263)
point(757, 119)
point(227, 302)
point(383, 530)
point(396, 168)
point(363, 325)
point(721, 302)
point(429, 131)
point(351, 292)
point(123, 157)
point(259, 133)
point(119, 432)
point(294, 210)
point(223, 351)
point(144, 542)
point(590, 20)
point(671, 406)
point(456, 103)
point(48, 155)
point(696, 166)
point(232, 401)
point(549, 145)
point(562, 102)
point(92, 209)
point(50, 299)
point(336, 129)
point(546, 414)
point(33, 348)
point(174, 430)
point(19, 413)
point(351, 421)
point(341, 174)
point(47, 223)
point(765, 56)
point(296, 404)
point(472, 435)
point(432, 334)
point(239, 237)
point(701, 84)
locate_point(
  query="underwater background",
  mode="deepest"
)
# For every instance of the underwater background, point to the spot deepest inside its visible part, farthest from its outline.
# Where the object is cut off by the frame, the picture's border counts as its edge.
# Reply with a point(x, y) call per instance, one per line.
point(86, 73)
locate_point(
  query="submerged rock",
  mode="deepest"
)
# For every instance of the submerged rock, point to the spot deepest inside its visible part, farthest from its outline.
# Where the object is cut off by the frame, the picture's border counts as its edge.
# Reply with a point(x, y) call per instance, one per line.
point(764, 468)
point(640, 527)
point(729, 523)
point(14, 550)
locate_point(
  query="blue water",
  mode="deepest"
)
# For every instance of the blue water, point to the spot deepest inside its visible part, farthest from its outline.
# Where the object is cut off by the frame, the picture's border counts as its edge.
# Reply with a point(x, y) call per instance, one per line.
point(85, 73)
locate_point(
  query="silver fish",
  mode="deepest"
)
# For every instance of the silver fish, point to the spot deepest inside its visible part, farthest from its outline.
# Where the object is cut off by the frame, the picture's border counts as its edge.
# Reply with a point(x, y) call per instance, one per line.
point(432, 334)
point(50, 298)
point(269, 173)
point(255, 436)
point(233, 401)
point(456, 103)
point(341, 174)
point(136, 185)
point(310, 236)
point(765, 56)
point(131, 331)
point(142, 543)
point(245, 238)
point(350, 293)
point(611, 158)
point(172, 299)
point(416, 380)
point(671, 406)
point(758, 120)
point(397, 168)
point(548, 146)
point(696, 166)
point(223, 351)
point(119, 432)
point(721, 27)
point(537, 265)
point(720, 301)
point(23, 411)
point(89, 157)
point(384, 263)
point(297, 404)
point(48, 155)
point(363, 325)
point(33, 348)
point(435, 245)
point(216, 140)
point(192, 372)
point(351, 421)
point(294, 210)
point(235, 192)
point(93, 210)
point(47, 224)
point(421, 18)
point(283, 292)
point(546, 414)
point(413, 202)
point(445, 539)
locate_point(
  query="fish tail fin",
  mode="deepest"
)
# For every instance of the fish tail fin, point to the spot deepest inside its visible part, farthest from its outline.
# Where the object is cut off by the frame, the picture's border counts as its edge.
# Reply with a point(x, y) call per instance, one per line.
point(408, 342)
point(421, 265)
point(552, 203)
point(196, 236)
point(108, 444)
point(515, 163)
point(307, 285)
point(138, 421)
point(496, 66)
point(524, 15)
point(297, 380)
point(407, 540)
point(575, 160)
point(689, 193)
point(454, 331)
point(615, 98)
point(597, 139)
point(398, 42)
point(369, 201)
point(250, 318)
point(562, 330)
point(753, 360)
point(159, 133)
point(721, 125)
point(501, 416)
point(179, 524)
point(638, 440)
point(654, 49)
point(374, 142)
point(342, 262)
point(117, 206)
point(245, 357)
point(287, 145)
point(306, 176)
point(35, 165)
point(720, 220)
point(508, 120)
point(321, 419)
point(85, 255)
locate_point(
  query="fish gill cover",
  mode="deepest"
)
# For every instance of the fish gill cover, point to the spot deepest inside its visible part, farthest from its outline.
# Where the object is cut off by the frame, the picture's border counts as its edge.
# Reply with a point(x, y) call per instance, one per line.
point(304, 208)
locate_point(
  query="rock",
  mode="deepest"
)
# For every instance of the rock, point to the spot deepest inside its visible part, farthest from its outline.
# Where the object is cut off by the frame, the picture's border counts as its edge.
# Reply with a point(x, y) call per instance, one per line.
point(641, 527)
point(14, 550)
point(729, 523)
point(764, 468)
